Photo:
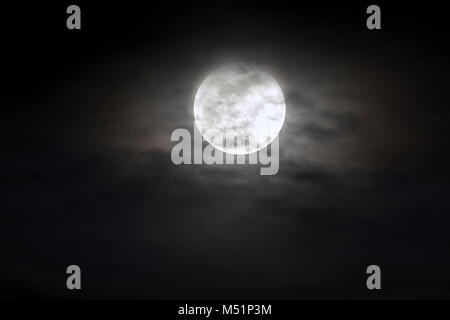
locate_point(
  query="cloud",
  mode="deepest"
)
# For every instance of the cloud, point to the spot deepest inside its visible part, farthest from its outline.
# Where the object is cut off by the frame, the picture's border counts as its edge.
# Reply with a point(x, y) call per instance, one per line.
point(90, 180)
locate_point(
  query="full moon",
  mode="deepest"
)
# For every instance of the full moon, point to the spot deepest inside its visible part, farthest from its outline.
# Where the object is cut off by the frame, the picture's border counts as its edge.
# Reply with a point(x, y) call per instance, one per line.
point(241, 102)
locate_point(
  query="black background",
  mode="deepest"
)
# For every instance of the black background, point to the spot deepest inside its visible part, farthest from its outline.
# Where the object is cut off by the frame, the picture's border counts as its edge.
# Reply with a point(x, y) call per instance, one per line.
point(71, 196)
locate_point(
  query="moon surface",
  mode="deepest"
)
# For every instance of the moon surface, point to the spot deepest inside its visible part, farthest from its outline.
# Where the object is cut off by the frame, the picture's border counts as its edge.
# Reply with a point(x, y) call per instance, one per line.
point(239, 109)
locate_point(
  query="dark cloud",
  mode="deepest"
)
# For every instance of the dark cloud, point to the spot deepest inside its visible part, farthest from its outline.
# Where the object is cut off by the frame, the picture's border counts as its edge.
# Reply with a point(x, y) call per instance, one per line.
point(87, 177)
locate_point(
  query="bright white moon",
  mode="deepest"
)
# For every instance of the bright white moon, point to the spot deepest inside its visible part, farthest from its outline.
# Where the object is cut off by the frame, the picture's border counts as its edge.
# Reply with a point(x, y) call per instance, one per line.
point(239, 101)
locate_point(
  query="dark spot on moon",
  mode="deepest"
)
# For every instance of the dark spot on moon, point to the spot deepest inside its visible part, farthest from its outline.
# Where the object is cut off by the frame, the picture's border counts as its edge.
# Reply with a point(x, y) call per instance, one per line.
point(242, 69)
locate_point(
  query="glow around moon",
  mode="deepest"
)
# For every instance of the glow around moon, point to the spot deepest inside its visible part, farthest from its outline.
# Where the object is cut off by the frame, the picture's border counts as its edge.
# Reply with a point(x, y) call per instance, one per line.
point(239, 101)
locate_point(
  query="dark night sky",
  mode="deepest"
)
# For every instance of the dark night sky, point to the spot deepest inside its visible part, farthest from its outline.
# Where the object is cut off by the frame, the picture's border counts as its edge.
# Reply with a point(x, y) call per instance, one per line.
point(86, 175)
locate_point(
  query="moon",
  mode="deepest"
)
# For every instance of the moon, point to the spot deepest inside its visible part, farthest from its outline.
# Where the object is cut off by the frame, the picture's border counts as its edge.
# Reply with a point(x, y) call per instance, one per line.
point(241, 101)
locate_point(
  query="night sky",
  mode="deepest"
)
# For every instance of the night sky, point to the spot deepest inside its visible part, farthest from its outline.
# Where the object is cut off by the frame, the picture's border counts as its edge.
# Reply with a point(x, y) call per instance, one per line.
point(87, 178)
